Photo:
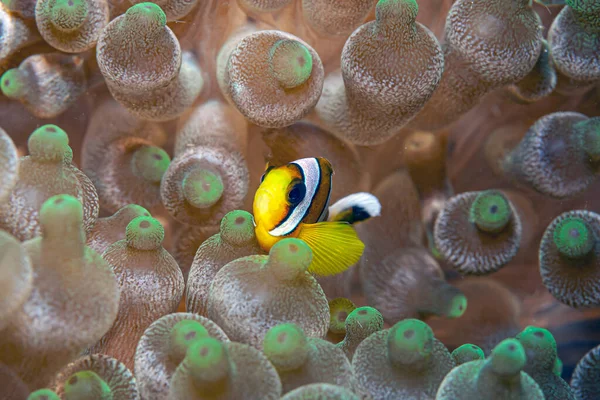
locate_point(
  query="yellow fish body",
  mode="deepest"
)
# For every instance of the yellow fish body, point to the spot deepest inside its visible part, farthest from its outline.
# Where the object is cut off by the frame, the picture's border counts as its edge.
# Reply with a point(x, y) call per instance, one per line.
point(292, 201)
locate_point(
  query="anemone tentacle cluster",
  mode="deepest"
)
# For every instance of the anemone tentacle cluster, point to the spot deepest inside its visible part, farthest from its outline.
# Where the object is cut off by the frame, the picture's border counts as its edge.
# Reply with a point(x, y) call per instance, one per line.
point(299, 199)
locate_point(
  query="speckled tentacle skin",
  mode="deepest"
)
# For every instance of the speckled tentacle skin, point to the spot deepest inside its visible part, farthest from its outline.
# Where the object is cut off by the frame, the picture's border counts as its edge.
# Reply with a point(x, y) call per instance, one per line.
point(470, 249)
point(360, 324)
point(390, 68)
point(400, 226)
point(227, 371)
point(574, 38)
point(586, 377)
point(23, 8)
point(9, 164)
point(187, 241)
point(500, 376)
point(71, 26)
point(138, 52)
point(466, 353)
point(252, 294)
point(73, 302)
point(268, 68)
point(117, 376)
point(487, 45)
point(332, 18)
point(540, 348)
point(46, 84)
point(235, 240)
point(213, 121)
point(405, 361)
point(320, 391)
point(539, 83)
point(229, 45)
point(113, 138)
point(174, 9)
point(301, 361)
point(154, 361)
point(46, 172)
point(572, 281)
point(15, 33)
point(208, 176)
point(410, 284)
point(147, 275)
point(111, 229)
point(16, 277)
point(425, 158)
point(169, 102)
point(551, 158)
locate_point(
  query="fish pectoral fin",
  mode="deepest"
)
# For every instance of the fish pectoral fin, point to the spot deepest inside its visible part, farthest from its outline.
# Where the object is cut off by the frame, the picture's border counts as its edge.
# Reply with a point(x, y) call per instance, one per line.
point(335, 246)
point(355, 208)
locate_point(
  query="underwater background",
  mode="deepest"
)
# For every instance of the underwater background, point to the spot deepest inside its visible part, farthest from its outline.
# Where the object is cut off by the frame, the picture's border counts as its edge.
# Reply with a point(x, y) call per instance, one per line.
point(299, 199)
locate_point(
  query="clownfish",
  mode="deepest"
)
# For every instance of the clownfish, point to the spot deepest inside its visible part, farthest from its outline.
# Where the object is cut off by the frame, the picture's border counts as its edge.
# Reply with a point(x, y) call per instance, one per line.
point(293, 201)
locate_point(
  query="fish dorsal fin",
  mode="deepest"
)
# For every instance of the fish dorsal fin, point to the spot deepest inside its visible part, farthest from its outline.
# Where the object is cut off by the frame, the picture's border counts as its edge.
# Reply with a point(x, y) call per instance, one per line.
point(268, 167)
point(335, 245)
point(355, 208)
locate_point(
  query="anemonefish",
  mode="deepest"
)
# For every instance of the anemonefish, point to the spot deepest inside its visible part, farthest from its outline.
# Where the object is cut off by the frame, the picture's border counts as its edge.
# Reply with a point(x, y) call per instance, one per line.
point(292, 201)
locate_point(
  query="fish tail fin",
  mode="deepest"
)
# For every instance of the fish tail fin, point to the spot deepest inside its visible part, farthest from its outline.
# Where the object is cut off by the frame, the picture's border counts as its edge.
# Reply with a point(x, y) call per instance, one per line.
point(355, 208)
point(335, 246)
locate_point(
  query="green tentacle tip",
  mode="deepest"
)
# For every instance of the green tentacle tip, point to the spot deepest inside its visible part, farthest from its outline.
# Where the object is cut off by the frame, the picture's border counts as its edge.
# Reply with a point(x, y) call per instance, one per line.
point(339, 309)
point(85, 385)
point(237, 227)
point(364, 318)
point(183, 335)
point(558, 366)
point(466, 353)
point(60, 208)
point(508, 358)
point(458, 306)
point(207, 360)
point(13, 83)
point(68, 15)
point(408, 9)
point(150, 163)
point(49, 143)
point(43, 394)
point(144, 233)
point(409, 341)
point(573, 237)
point(490, 211)
point(148, 14)
point(539, 345)
point(291, 63)
point(290, 257)
point(589, 132)
point(203, 188)
point(286, 346)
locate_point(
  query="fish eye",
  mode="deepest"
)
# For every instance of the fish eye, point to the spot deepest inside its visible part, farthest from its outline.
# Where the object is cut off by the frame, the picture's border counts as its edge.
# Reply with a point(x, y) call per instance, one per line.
point(297, 193)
